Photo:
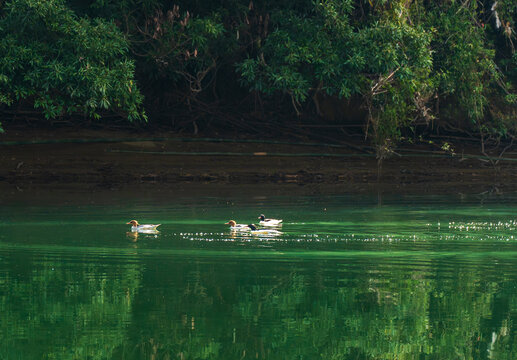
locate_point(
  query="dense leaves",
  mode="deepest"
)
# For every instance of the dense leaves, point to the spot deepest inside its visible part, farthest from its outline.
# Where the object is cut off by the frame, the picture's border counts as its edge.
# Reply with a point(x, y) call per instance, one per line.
point(411, 67)
point(62, 64)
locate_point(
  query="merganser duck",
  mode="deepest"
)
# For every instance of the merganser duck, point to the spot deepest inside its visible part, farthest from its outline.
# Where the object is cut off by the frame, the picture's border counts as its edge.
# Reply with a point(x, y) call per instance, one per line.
point(269, 222)
point(147, 228)
point(270, 232)
point(237, 227)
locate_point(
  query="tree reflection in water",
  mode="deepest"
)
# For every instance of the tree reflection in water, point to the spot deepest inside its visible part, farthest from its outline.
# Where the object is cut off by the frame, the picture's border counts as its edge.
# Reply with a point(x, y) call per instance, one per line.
point(104, 307)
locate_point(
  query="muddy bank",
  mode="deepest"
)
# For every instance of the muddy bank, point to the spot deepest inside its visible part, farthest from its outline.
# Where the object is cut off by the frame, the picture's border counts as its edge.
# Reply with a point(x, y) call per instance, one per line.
point(69, 158)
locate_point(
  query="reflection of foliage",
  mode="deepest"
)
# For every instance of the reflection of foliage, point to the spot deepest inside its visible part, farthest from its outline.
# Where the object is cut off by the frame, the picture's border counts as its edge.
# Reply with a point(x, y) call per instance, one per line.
point(65, 311)
point(320, 311)
point(198, 309)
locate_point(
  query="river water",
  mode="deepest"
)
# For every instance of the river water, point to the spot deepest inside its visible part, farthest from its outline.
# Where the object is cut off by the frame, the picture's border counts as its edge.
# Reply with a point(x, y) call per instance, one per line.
point(349, 276)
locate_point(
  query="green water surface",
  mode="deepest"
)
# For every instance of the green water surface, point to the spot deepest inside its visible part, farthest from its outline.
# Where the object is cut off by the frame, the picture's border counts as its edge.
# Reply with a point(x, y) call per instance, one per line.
point(350, 277)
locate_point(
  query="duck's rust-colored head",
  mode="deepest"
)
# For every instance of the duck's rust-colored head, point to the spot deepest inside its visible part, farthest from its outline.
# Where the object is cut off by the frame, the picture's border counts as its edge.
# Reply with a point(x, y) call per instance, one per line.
point(232, 223)
point(133, 222)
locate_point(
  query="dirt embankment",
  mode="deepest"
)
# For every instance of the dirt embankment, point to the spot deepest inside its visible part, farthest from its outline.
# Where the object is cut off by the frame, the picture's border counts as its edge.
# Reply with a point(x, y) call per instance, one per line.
point(108, 159)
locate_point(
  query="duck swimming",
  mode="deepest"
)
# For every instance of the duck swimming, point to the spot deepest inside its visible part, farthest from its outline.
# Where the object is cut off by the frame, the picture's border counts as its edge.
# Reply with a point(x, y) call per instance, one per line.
point(145, 228)
point(269, 222)
point(237, 227)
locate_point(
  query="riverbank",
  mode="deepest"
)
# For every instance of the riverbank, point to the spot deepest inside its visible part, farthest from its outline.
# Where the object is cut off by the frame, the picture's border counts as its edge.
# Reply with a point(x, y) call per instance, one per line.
point(113, 159)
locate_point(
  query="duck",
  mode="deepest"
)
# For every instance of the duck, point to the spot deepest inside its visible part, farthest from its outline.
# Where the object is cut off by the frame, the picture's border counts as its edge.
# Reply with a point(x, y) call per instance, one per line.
point(269, 222)
point(267, 232)
point(237, 227)
point(147, 228)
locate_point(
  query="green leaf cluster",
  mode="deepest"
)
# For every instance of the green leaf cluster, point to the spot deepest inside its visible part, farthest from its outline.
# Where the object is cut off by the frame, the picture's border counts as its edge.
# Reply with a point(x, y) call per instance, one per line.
point(63, 64)
point(385, 62)
point(400, 58)
point(409, 65)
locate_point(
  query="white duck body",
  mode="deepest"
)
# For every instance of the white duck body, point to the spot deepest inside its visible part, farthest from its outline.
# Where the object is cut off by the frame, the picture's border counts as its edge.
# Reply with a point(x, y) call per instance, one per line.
point(144, 228)
point(269, 222)
point(149, 229)
point(237, 227)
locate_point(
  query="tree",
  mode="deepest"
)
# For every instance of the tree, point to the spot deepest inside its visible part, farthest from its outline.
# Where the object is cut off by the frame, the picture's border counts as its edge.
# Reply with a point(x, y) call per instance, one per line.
point(386, 61)
point(62, 64)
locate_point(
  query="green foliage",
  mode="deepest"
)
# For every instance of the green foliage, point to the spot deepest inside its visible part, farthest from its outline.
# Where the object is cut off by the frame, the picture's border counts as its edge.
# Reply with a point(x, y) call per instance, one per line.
point(177, 45)
point(406, 63)
point(386, 62)
point(63, 64)
point(463, 65)
point(398, 56)
point(396, 70)
point(171, 45)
